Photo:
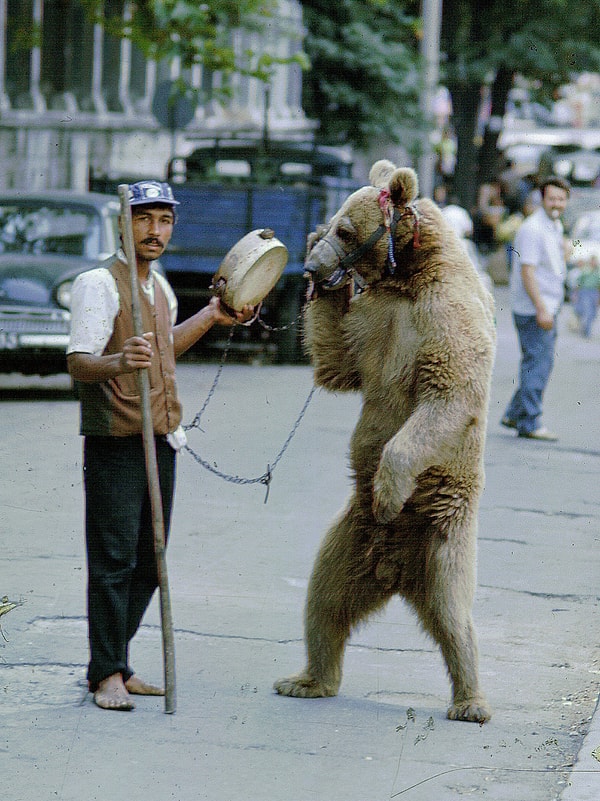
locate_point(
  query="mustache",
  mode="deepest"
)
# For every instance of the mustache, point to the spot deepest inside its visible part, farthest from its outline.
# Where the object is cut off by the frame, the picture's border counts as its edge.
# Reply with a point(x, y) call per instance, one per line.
point(152, 240)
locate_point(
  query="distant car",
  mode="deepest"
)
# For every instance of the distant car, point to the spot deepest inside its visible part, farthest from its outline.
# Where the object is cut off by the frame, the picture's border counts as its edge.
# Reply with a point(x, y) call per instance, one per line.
point(580, 166)
point(46, 240)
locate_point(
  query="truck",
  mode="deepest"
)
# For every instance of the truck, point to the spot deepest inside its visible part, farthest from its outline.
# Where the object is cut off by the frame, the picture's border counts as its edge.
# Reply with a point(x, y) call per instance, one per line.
point(230, 187)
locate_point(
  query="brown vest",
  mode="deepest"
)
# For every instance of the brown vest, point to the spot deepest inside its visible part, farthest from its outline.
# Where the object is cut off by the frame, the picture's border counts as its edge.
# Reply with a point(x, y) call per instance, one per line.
point(113, 408)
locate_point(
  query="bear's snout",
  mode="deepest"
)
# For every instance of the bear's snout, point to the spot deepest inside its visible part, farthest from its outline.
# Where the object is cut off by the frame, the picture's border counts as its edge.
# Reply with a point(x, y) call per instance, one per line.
point(322, 262)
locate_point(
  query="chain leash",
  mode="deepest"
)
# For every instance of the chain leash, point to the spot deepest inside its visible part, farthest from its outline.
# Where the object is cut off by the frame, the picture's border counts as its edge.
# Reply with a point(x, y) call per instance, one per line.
point(267, 476)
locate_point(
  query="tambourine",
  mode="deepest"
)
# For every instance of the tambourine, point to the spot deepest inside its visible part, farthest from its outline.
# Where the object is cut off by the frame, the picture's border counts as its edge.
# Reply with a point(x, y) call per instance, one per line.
point(250, 270)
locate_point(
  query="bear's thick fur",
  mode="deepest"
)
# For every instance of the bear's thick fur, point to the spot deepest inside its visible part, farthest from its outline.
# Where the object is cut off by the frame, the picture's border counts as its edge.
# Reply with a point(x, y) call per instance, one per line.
point(419, 344)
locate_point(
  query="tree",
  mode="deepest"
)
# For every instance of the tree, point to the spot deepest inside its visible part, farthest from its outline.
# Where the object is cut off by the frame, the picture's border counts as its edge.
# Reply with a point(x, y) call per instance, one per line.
point(543, 40)
point(194, 32)
point(364, 81)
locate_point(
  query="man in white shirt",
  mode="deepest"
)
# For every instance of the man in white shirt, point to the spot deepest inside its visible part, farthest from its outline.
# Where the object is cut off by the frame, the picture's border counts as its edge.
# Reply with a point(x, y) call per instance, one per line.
point(537, 292)
point(104, 357)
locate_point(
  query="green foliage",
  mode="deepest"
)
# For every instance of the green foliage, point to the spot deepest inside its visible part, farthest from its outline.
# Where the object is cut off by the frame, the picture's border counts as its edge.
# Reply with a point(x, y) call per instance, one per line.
point(195, 32)
point(364, 81)
point(544, 40)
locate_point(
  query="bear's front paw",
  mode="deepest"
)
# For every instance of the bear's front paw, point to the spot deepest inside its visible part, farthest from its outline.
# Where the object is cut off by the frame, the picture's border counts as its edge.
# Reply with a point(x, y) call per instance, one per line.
point(390, 493)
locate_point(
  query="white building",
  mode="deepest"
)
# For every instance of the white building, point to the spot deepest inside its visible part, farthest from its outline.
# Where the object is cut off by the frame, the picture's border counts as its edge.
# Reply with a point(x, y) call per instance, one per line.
point(76, 102)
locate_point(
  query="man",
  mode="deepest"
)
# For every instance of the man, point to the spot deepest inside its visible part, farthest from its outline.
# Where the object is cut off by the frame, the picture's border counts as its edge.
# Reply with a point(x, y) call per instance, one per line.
point(104, 357)
point(537, 292)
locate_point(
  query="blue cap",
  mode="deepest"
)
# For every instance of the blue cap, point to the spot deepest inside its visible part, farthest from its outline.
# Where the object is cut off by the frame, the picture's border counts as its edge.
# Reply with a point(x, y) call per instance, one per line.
point(147, 192)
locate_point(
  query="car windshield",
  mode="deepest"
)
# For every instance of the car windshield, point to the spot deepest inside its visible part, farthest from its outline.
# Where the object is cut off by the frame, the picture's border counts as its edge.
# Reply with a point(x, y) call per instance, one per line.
point(46, 229)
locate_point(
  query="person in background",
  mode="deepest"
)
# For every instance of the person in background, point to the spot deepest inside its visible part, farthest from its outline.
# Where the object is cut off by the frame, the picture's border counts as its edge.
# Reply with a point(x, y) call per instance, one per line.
point(506, 230)
point(587, 294)
point(490, 210)
point(462, 224)
point(537, 293)
point(104, 357)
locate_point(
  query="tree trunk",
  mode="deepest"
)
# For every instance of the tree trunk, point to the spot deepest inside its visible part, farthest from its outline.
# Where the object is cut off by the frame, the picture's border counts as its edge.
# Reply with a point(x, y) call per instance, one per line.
point(465, 102)
point(489, 157)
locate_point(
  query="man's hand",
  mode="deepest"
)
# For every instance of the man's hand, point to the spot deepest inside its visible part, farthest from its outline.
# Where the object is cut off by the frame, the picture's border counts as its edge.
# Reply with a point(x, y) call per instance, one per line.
point(136, 354)
point(221, 317)
point(544, 320)
point(542, 317)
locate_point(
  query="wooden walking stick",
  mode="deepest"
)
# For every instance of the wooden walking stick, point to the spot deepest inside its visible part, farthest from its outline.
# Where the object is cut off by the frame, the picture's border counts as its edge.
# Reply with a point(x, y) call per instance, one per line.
point(158, 525)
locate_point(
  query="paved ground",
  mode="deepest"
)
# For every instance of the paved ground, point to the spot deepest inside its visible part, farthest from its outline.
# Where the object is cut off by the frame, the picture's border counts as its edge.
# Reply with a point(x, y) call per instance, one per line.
point(238, 571)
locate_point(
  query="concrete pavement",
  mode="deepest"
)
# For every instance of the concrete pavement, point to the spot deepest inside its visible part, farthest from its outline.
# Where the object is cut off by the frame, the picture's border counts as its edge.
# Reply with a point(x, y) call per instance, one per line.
point(238, 571)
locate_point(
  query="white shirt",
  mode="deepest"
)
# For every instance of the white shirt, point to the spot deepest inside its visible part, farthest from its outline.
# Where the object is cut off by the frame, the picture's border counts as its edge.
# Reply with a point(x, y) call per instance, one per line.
point(95, 304)
point(539, 242)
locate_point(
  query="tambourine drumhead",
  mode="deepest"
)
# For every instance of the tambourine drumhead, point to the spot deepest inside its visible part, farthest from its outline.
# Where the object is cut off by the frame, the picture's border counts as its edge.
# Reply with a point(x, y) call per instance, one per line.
point(251, 269)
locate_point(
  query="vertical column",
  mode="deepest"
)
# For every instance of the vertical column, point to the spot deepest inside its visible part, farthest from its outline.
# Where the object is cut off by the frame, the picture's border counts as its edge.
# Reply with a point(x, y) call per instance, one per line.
point(79, 162)
point(256, 90)
point(197, 79)
point(125, 66)
point(280, 35)
point(98, 42)
point(150, 73)
point(4, 100)
point(39, 104)
point(294, 77)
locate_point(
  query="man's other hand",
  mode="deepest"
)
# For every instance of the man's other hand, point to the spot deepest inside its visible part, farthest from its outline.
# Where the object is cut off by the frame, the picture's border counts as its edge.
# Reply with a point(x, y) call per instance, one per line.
point(221, 317)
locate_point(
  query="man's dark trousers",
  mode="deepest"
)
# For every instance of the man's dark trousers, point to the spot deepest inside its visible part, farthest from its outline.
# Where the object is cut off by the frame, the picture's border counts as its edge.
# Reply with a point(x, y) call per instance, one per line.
point(122, 573)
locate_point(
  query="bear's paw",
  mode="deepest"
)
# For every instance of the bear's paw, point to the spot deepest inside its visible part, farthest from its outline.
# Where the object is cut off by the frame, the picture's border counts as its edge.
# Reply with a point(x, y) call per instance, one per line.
point(390, 492)
point(474, 710)
point(303, 685)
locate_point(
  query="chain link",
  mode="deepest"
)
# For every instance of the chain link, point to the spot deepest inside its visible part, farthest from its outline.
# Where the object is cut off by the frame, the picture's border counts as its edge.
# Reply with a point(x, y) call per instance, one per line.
point(286, 327)
point(267, 476)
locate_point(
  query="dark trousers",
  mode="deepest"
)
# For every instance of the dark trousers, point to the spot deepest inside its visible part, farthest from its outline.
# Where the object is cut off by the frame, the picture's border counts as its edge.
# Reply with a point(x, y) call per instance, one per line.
point(122, 573)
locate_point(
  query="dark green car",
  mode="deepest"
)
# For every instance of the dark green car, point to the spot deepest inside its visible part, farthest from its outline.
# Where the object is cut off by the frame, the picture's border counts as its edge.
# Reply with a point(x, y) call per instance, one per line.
point(46, 240)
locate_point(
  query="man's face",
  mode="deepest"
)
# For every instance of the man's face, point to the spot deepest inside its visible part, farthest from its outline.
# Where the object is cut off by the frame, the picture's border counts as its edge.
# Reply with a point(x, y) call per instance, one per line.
point(554, 201)
point(152, 230)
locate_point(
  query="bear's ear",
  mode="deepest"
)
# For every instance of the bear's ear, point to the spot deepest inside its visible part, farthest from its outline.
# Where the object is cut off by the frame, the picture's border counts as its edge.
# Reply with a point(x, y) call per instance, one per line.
point(380, 173)
point(404, 186)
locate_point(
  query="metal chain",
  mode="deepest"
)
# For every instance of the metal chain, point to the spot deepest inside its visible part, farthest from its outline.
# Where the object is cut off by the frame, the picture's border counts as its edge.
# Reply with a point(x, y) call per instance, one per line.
point(196, 421)
point(287, 327)
point(267, 476)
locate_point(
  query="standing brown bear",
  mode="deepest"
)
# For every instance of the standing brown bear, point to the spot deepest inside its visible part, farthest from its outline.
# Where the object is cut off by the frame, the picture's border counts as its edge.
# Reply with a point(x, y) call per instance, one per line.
point(418, 340)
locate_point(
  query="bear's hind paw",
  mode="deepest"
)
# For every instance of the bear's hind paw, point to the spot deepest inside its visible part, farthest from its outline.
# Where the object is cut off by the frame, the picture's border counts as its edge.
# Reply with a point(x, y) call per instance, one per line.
point(475, 710)
point(303, 685)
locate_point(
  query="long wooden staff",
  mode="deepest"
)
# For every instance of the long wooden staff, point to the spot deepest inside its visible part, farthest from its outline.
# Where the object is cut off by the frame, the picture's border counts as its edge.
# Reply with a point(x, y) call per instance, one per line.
point(158, 525)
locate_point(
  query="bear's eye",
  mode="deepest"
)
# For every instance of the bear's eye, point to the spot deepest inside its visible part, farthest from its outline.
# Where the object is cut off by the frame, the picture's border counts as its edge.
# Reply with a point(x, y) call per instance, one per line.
point(345, 231)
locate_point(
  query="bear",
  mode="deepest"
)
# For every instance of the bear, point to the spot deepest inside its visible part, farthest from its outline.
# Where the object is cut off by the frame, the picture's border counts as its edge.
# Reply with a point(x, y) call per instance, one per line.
point(396, 311)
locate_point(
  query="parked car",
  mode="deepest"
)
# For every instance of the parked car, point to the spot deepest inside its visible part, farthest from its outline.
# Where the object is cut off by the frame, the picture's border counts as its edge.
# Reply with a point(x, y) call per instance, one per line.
point(580, 166)
point(46, 240)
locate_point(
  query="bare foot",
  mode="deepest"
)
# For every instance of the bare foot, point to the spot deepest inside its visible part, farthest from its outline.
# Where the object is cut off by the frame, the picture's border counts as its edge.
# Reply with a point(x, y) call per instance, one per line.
point(112, 694)
point(137, 686)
